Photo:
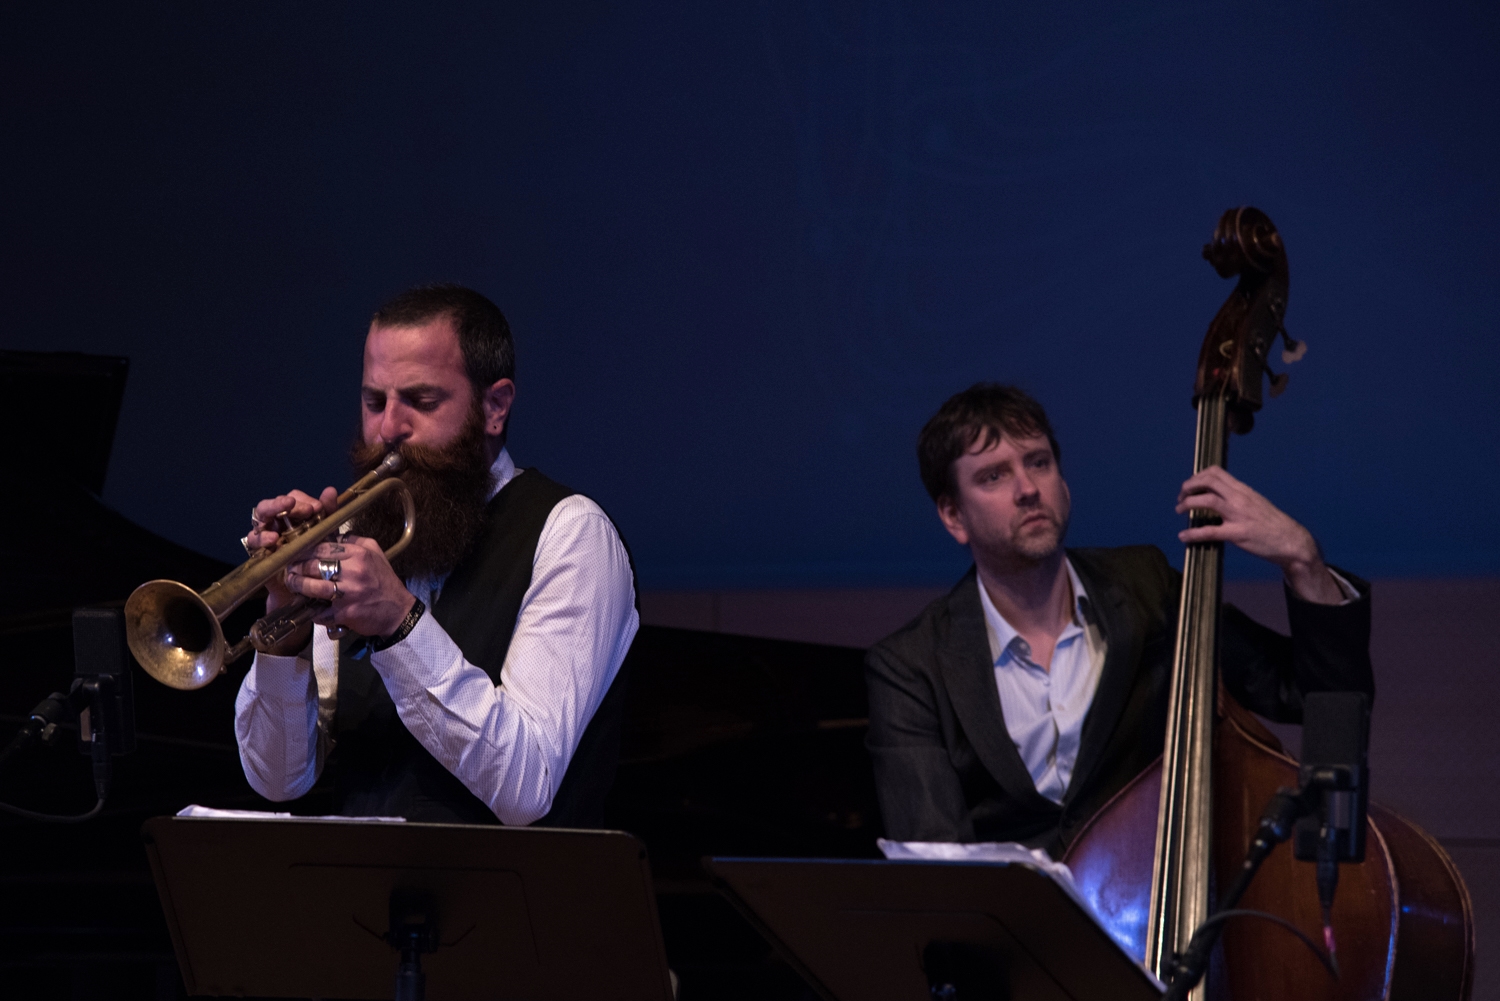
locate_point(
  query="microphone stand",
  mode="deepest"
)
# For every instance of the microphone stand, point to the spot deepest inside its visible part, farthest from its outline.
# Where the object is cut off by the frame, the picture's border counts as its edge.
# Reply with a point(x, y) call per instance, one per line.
point(1277, 823)
point(87, 695)
point(100, 698)
point(43, 720)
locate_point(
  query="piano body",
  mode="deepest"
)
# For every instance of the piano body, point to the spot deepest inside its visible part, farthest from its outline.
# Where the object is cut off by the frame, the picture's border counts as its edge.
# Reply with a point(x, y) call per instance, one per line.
point(732, 745)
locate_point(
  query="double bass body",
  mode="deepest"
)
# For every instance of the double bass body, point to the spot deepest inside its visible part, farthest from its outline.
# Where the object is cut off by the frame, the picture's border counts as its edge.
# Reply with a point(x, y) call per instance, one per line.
point(1403, 918)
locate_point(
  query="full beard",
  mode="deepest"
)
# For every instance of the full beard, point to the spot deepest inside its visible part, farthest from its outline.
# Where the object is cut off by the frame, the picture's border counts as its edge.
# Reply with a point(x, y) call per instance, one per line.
point(450, 487)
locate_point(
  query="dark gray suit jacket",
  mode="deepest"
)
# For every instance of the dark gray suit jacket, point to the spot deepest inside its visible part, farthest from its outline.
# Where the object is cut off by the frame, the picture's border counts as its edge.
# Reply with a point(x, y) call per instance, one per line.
point(945, 766)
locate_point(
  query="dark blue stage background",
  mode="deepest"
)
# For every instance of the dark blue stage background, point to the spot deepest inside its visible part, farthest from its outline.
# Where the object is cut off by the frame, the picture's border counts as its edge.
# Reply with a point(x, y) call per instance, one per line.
point(748, 249)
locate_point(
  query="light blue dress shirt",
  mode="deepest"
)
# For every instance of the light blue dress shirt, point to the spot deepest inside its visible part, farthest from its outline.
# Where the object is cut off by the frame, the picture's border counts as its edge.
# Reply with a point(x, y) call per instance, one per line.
point(1045, 707)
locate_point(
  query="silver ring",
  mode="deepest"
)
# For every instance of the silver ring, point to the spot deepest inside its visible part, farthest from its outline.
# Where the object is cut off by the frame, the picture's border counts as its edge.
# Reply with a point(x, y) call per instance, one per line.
point(255, 523)
point(328, 569)
point(246, 543)
point(337, 594)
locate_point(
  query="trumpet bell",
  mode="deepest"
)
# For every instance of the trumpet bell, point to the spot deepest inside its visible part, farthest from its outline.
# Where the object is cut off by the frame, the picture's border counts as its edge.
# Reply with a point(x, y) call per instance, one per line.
point(174, 634)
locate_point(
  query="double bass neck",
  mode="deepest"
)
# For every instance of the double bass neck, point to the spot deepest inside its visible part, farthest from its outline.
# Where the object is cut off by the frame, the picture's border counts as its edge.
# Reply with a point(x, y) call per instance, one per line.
point(1181, 873)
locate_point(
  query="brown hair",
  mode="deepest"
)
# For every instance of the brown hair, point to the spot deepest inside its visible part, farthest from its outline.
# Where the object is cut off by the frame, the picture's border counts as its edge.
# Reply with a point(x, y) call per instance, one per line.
point(985, 409)
point(483, 334)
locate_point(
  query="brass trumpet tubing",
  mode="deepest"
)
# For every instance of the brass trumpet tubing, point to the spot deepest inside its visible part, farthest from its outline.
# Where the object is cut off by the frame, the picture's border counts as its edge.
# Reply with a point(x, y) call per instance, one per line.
point(268, 631)
point(175, 633)
point(233, 588)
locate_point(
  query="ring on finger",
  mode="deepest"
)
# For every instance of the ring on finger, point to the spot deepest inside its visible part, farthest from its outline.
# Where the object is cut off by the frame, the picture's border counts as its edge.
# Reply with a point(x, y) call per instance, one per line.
point(328, 569)
point(337, 594)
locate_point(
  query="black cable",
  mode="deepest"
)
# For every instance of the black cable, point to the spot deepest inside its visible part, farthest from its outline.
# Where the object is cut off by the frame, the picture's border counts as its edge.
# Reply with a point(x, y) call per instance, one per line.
point(1328, 881)
point(54, 818)
point(102, 770)
point(1327, 962)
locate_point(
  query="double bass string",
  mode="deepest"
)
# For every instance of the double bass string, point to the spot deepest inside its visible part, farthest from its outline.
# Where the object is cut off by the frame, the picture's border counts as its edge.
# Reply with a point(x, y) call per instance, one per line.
point(1181, 871)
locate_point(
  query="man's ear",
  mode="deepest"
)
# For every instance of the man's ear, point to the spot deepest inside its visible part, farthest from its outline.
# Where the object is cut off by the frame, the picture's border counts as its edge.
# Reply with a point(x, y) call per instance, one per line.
point(953, 519)
point(496, 405)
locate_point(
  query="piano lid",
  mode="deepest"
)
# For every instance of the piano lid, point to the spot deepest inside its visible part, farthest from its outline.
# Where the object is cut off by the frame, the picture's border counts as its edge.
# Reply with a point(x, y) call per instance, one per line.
point(63, 546)
point(69, 404)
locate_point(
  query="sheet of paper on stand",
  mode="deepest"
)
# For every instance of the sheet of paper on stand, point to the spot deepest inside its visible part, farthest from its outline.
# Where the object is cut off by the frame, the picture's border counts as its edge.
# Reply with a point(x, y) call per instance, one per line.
point(210, 812)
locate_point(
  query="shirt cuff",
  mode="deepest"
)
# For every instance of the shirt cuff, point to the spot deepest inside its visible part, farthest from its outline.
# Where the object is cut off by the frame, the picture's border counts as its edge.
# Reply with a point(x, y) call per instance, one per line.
point(285, 679)
point(1351, 593)
point(419, 662)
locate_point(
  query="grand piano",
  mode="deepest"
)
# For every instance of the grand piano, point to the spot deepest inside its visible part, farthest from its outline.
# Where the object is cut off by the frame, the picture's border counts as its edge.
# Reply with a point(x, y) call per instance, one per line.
point(732, 745)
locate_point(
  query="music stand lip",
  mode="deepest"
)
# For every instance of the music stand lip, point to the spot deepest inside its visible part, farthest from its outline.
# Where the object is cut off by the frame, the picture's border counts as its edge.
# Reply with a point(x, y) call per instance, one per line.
point(1090, 925)
point(879, 862)
point(394, 823)
point(539, 897)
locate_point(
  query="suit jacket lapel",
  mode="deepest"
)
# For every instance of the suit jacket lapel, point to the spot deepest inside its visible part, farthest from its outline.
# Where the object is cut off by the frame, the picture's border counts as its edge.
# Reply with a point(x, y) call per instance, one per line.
point(1122, 639)
point(969, 676)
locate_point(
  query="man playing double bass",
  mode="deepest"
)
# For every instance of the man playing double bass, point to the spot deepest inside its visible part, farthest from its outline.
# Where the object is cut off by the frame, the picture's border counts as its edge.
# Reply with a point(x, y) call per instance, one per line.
point(1016, 705)
point(476, 679)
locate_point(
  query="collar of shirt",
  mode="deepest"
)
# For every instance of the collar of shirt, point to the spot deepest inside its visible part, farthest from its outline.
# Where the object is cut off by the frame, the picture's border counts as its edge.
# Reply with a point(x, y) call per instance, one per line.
point(502, 470)
point(1003, 636)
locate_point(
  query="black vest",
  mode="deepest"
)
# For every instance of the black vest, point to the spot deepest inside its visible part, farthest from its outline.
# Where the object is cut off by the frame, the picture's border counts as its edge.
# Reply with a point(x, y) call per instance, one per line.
point(379, 769)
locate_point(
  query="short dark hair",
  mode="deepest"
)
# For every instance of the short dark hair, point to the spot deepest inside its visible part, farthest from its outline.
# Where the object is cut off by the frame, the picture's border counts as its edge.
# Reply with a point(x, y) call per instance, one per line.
point(483, 334)
point(985, 409)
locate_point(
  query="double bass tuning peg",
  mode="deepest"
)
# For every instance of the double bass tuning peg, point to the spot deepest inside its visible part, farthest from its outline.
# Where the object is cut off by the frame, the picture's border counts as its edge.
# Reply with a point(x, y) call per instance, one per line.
point(1293, 350)
point(1278, 382)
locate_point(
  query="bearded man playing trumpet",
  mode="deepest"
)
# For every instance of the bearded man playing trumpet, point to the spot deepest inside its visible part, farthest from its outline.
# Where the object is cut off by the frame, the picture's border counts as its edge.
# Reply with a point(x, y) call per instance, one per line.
point(474, 676)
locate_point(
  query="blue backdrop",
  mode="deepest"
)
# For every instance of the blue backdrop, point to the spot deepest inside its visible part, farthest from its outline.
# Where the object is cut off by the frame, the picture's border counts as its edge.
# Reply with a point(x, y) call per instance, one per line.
point(748, 249)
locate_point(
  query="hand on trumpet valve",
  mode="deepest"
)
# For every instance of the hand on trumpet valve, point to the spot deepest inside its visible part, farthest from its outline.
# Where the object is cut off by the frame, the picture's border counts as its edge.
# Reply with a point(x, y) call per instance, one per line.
point(353, 575)
point(275, 515)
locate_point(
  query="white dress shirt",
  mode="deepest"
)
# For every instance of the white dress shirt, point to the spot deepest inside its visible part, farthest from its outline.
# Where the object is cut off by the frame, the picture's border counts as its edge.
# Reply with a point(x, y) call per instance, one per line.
point(509, 744)
point(1044, 707)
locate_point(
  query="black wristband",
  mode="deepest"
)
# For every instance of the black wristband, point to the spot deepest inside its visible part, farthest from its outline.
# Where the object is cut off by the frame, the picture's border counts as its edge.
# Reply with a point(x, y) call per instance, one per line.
point(403, 630)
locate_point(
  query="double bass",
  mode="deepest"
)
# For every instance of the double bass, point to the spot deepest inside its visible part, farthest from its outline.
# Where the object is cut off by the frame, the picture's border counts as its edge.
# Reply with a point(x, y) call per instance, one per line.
point(1150, 859)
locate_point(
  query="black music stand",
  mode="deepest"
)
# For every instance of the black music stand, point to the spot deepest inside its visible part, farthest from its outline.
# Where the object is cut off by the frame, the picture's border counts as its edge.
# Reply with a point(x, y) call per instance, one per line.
point(931, 931)
point(298, 908)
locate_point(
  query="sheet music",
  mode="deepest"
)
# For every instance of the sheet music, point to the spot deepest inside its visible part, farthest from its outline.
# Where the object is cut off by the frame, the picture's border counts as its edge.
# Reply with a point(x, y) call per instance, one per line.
point(207, 811)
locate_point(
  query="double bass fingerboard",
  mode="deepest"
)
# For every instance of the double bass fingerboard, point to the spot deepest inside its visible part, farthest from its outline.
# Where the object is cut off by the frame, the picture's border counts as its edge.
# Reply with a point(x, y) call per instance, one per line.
point(1180, 879)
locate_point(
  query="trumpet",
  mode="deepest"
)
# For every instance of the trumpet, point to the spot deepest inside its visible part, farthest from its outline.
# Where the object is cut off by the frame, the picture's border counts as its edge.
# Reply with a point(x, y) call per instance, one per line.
point(176, 633)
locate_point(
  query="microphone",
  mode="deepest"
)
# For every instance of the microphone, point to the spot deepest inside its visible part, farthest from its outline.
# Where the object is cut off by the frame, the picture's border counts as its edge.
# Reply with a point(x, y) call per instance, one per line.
point(1335, 763)
point(1335, 758)
point(101, 672)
